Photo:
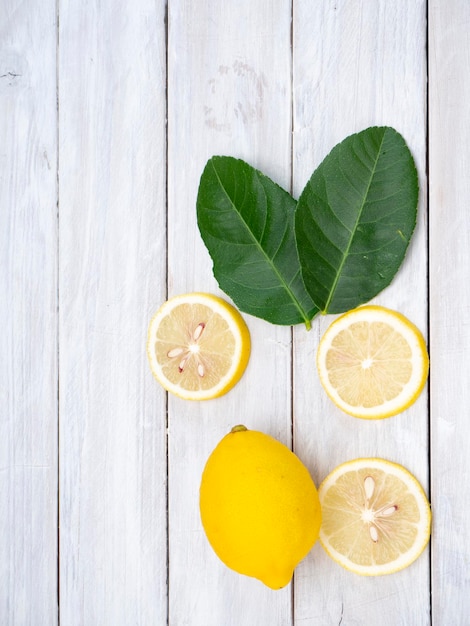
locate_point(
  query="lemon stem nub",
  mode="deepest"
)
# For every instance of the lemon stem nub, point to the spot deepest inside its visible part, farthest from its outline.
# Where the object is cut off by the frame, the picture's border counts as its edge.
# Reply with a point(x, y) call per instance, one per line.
point(239, 428)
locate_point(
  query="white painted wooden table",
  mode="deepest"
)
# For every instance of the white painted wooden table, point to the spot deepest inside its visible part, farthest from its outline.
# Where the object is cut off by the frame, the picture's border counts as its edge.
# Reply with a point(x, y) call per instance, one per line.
point(108, 113)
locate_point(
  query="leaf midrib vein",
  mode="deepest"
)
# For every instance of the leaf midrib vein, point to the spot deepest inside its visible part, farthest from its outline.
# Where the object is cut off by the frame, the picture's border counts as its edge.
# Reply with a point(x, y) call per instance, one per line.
point(353, 232)
point(270, 263)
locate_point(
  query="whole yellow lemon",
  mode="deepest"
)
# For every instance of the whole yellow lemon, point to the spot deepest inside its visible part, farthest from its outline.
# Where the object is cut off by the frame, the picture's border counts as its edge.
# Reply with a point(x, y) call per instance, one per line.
point(259, 506)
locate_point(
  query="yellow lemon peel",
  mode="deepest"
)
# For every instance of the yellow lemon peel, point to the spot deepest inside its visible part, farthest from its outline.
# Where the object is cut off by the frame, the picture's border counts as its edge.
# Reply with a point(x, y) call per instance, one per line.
point(259, 506)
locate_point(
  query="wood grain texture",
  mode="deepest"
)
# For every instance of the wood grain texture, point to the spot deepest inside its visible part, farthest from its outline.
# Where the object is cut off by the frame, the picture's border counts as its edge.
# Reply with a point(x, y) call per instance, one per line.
point(113, 564)
point(449, 161)
point(28, 314)
point(84, 99)
point(367, 68)
point(229, 81)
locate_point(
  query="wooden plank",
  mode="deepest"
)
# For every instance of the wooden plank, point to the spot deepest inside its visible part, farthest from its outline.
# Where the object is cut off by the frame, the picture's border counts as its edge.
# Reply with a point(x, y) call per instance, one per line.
point(28, 317)
point(449, 138)
point(229, 81)
point(112, 272)
point(356, 65)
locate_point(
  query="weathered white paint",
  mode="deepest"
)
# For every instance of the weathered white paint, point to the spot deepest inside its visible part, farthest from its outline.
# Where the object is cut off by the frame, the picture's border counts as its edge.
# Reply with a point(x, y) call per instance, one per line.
point(78, 294)
point(112, 275)
point(28, 322)
point(449, 162)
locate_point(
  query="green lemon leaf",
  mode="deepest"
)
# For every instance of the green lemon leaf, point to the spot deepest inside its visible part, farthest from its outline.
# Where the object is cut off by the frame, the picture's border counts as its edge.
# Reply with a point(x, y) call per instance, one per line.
point(247, 224)
point(355, 218)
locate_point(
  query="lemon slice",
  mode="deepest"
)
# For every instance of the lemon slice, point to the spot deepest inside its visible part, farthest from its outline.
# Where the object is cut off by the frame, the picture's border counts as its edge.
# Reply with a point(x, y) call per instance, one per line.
point(372, 362)
point(376, 517)
point(198, 346)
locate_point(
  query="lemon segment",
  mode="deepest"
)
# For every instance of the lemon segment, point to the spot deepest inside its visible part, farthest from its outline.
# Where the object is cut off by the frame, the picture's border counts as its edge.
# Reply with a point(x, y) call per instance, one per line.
point(259, 506)
point(372, 362)
point(198, 346)
point(376, 516)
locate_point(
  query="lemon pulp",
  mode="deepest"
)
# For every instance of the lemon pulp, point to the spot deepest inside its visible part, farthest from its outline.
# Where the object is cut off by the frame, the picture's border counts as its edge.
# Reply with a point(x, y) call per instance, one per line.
point(198, 346)
point(376, 517)
point(372, 362)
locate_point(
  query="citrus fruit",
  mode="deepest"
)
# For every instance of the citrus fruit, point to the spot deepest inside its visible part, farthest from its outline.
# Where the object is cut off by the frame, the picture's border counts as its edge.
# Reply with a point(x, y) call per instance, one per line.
point(376, 517)
point(198, 346)
point(259, 506)
point(372, 362)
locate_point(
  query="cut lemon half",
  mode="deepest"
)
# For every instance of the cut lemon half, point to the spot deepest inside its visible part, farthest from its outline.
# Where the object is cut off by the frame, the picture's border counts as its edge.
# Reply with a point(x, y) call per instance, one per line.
point(372, 362)
point(376, 517)
point(198, 346)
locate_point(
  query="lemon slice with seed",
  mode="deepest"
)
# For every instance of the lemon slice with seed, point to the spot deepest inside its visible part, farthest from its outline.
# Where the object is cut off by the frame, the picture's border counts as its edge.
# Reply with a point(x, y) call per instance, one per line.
point(198, 346)
point(376, 517)
point(372, 362)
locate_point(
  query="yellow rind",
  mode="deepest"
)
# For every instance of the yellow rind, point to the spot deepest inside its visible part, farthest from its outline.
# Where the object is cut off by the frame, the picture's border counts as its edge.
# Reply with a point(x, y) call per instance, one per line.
point(259, 506)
